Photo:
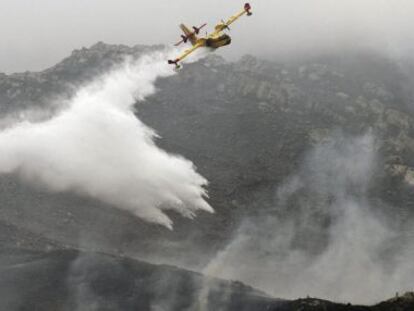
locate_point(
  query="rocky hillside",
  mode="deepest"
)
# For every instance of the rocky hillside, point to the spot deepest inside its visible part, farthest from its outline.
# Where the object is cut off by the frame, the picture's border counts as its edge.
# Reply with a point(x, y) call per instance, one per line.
point(249, 126)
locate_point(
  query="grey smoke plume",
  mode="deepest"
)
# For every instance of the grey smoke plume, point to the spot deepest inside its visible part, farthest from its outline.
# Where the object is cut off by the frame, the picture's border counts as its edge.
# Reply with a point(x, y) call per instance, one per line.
point(324, 237)
point(98, 148)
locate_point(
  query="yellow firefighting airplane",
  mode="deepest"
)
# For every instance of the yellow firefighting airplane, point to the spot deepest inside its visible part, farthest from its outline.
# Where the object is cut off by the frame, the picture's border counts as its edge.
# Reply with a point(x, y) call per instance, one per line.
point(214, 40)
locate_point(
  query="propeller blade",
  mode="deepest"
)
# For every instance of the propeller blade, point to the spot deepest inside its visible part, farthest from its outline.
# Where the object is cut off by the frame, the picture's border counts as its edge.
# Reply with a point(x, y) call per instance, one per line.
point(197, 29)
point(225, 26)
point(184, 40)
point(178, 43)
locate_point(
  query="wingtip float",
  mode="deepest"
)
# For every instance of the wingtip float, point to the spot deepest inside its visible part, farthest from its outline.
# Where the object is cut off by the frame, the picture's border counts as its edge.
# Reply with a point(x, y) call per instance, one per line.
point(214, 40)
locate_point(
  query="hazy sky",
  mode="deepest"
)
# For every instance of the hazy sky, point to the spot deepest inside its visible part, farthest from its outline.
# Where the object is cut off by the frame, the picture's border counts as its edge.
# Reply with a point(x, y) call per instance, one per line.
point(36, 34)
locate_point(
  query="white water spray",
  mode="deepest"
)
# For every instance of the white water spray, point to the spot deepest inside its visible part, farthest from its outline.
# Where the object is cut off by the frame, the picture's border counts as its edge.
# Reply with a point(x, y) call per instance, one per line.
point(98, 148)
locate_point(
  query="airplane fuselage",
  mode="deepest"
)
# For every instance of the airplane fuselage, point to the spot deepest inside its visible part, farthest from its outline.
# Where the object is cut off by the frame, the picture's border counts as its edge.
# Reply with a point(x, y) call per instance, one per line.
point(216, 42)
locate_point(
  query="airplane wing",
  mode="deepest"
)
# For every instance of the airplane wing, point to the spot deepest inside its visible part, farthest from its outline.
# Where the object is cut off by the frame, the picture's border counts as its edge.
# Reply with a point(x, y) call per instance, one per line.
point(225, 25)
point(185, 54)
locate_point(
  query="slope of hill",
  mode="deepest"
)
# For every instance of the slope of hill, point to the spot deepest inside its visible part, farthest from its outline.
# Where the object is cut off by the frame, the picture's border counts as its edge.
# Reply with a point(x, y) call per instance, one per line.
point(271, 138)
point(73, 280)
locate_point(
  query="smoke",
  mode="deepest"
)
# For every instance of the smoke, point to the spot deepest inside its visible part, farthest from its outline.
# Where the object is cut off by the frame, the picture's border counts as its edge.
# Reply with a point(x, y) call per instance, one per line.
point(98, 148)
point(325, 237)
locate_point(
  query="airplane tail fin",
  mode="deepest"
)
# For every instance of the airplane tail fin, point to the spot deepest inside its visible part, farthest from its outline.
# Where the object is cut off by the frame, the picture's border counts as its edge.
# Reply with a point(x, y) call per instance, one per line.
point(189, 34)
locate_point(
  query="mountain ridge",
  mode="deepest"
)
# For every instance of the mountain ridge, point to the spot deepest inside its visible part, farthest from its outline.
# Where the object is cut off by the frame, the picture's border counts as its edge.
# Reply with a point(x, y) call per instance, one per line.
point(248, 126)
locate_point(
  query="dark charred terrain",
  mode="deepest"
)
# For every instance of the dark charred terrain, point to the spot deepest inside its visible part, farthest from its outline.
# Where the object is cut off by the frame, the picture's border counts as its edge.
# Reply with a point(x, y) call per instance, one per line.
point(72, 280)
point(247, 126)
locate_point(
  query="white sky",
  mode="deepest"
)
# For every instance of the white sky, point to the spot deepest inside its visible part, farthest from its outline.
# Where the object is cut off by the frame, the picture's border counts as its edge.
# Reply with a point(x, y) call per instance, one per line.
point(35, 34)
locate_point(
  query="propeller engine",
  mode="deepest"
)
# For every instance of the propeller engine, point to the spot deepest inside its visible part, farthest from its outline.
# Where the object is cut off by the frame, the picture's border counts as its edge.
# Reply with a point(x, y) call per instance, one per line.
point(188, 36)
point(225, 26)
point(197, 29)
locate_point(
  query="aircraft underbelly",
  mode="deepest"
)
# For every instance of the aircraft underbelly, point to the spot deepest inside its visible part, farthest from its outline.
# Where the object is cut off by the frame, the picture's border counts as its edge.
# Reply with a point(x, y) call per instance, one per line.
point(219, 42)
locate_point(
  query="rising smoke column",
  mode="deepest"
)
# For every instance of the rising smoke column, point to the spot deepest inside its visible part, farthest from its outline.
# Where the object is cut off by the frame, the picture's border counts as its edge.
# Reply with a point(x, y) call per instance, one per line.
point(98, 148)
point(325, 237)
